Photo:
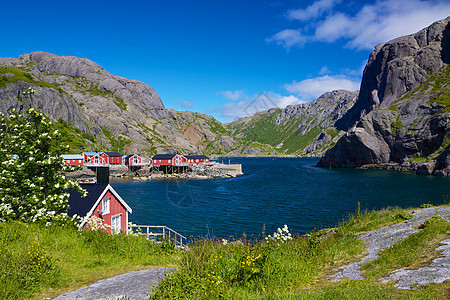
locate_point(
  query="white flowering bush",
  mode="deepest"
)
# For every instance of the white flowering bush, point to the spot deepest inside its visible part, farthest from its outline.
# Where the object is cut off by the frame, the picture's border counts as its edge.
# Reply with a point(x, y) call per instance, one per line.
point(281, 235)
point(130, 230)
point(32, 185)
point(95, 223)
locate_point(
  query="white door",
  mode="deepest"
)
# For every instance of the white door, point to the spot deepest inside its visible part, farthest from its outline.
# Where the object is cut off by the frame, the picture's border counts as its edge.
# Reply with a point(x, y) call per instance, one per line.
point(115, 224)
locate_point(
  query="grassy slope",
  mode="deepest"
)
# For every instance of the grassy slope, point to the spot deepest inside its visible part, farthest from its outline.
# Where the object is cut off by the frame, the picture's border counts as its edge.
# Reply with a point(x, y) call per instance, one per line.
point(439, 86)
point(263, 129)
point(213, 147)
point(51, 260)
point(39, 261)
point(297, 269)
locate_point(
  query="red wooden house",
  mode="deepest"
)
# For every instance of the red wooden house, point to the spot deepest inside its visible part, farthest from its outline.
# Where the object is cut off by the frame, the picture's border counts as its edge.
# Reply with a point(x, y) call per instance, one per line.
point(103, 202)
point(93, 158)
point(169, 160)
point(73, 159)
point(133, 160)
point(197, 159)
point(112, 158)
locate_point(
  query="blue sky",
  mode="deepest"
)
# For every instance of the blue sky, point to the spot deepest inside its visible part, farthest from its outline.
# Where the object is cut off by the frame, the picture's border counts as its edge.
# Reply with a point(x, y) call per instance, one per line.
point(215, 57)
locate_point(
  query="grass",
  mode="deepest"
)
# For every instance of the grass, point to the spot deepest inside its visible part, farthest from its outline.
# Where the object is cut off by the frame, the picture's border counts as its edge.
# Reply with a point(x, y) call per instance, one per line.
point(47, 261)
point(396, 125)
point(117, 143)
point(258, 269)
point(211, 269)
point(21, 75)
point(70, 135)
point(120, 103)
point(290, 134)
point(409, 251)
point(438, 83)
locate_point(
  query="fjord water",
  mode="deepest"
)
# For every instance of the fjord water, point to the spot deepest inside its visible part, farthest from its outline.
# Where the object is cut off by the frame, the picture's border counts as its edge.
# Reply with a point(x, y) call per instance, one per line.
point(274, 192)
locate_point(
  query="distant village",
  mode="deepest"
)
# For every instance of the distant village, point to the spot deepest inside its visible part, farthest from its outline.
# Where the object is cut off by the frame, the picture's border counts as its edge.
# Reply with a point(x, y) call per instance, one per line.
point(115, 158)
point(160, 166)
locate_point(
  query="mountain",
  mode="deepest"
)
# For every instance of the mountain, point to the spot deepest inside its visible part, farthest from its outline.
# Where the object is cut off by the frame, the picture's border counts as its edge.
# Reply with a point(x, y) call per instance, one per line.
point(97, 110)
point(402, 114)
point(304, 129)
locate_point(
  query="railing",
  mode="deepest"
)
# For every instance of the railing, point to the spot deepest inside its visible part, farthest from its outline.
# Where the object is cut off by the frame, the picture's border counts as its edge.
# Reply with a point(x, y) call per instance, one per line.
point(158, 233)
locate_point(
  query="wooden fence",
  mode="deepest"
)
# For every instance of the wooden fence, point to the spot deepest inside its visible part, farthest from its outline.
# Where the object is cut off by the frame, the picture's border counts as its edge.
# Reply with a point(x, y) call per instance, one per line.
point(158, 233)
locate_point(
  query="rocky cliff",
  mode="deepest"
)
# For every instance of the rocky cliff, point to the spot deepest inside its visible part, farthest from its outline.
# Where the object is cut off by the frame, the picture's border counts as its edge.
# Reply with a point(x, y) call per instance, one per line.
point(403, 109)
point(100, 111)
point(306, 129)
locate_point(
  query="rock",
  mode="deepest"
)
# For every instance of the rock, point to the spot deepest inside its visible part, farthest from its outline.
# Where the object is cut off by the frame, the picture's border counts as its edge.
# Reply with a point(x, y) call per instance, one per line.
point(442, 166)
point(95, 101)
point(396, 107)
point(320, 140)
point(426, 168)
point(274, 126)
point(397, 67)
point(355, 149)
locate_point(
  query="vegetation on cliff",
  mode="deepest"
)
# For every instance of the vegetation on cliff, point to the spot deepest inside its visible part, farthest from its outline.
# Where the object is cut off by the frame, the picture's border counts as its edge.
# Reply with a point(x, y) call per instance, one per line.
point(304, 129)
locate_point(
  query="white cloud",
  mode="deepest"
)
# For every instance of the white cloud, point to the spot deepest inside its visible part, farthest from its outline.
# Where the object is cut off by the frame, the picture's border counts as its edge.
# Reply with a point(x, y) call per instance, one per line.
point(381, 22)
point(283, 101)
point(246, 108)
point(288, 38)
point(233, 95)
point(372, 24)
point(312, 88)
point(324, 70)
point(187, 103)
point(314, 10)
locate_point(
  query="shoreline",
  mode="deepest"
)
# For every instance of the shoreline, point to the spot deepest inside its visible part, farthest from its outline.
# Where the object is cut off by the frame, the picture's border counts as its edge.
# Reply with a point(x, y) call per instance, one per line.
point(216, 157)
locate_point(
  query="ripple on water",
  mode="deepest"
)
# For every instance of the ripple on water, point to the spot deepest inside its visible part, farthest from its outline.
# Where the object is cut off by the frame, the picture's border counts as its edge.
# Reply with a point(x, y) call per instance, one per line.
point(273, 193)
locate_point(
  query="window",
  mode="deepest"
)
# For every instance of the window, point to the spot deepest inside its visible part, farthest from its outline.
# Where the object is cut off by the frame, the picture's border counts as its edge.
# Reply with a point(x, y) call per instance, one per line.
point(115, 224)
point(135, 159)
point(105, 206)
point(96, 160)
point(169, 161)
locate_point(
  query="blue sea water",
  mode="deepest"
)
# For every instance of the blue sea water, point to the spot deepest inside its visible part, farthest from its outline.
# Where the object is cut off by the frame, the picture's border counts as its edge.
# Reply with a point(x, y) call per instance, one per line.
point(274, 192)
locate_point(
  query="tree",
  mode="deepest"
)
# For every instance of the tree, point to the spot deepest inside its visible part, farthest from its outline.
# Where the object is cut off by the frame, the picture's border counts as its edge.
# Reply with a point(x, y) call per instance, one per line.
point(33, 187)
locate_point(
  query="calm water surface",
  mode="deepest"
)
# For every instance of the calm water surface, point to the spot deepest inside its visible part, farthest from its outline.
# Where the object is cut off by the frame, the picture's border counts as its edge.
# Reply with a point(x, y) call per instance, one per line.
point(274, 192)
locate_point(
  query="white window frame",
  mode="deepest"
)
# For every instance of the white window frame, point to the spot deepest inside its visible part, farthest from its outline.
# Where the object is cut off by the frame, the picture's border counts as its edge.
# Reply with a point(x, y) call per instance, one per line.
point(106, 204)
point(116, 228)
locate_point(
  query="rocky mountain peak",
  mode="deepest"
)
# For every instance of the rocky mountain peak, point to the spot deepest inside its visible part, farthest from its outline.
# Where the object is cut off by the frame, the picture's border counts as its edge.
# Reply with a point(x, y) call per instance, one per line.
point(402, 113)
point(399, 66)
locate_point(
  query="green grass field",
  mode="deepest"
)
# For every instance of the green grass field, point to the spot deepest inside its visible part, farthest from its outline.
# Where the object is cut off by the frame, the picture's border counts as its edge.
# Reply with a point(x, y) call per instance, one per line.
point(41, 262)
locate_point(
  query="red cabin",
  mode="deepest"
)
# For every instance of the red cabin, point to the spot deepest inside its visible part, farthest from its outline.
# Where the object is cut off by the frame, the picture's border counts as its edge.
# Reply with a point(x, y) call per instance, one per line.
point(169, 160)
point(73, 159)
point(93, 158)
point(112, 158)
point(133, 160)
point(102, 202)
point(197, 159)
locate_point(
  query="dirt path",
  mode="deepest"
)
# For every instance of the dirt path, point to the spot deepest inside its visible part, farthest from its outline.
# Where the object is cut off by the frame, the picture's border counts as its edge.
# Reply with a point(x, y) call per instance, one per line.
point(383, 238)
point(132, 285)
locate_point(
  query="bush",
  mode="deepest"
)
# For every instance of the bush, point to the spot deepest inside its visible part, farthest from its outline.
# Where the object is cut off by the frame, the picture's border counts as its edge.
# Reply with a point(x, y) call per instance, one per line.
point(32, 188)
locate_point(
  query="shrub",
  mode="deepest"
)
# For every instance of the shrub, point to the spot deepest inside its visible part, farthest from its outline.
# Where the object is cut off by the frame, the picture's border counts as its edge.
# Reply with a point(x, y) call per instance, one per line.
point(32, 188)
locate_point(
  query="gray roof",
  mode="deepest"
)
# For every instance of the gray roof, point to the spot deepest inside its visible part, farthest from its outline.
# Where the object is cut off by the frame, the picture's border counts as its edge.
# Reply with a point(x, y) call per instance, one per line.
point(164, 156)
point(113, 154)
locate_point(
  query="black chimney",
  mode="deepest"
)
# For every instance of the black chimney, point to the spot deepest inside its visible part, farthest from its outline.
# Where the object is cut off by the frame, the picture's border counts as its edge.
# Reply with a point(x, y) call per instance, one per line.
point(102, 174)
